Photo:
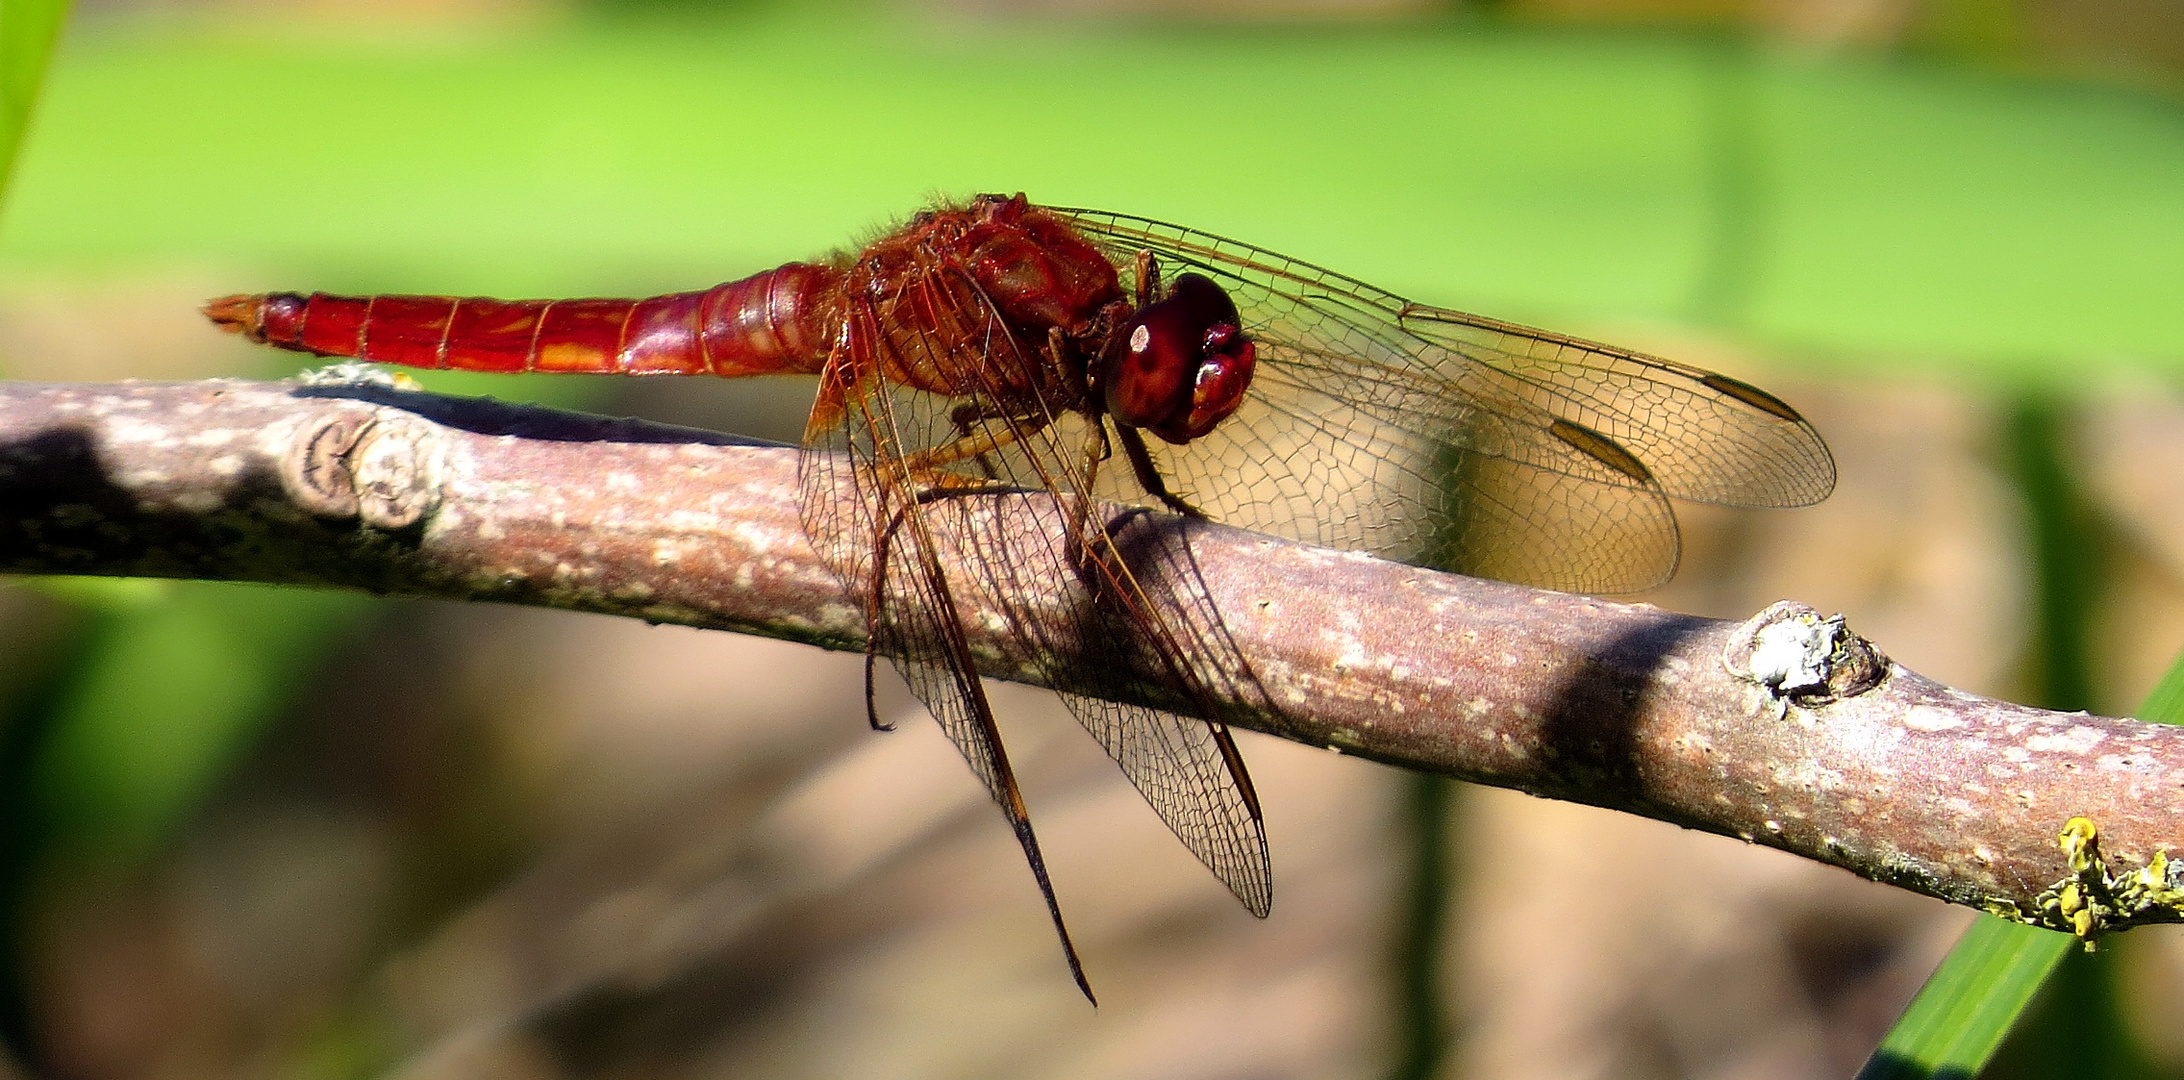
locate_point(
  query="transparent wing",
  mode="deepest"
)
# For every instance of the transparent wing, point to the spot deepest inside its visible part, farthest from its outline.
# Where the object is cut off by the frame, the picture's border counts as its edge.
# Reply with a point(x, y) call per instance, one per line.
point(878, 538)
point(1116, 632)
point(1457, 441)
point(903, 497)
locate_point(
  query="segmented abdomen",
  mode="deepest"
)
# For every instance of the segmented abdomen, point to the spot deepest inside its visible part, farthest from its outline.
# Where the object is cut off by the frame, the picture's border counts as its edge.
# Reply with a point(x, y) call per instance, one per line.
point(782, 320)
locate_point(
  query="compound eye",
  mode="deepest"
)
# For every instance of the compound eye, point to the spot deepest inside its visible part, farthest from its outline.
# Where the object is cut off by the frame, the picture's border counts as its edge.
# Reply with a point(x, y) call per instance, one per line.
point(1216, 393)
point(1208, 304)
point(1183, 363)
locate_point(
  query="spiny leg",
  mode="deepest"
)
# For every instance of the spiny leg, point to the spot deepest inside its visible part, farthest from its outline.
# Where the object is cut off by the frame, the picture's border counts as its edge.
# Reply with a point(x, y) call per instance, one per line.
point(968, 416)
point(1081, 551)
point(1148, 624)
point(1148, 474)
point(875, 603)
point(944, 486)
point(931, 459)
point(1096, 448)
point(1060, 354)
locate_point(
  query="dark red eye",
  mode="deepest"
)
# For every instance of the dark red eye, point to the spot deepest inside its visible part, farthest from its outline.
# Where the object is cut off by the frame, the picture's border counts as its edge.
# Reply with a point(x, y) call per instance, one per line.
point(1181, 365)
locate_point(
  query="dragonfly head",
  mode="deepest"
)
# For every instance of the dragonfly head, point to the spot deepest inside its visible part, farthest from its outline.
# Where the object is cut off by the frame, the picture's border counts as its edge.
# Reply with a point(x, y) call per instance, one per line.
point(1180, 365)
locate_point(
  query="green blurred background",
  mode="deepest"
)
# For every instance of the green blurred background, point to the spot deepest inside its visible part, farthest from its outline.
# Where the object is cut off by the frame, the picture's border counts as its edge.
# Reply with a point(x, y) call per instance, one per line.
point(265, 832)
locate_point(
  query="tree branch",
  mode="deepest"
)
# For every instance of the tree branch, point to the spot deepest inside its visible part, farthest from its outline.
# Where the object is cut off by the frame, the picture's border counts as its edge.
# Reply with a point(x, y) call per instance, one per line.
point(1785, 730)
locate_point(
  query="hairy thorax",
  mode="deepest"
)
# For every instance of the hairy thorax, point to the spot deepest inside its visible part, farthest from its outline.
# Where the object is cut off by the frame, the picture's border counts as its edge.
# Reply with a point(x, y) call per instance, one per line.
point(969, 298)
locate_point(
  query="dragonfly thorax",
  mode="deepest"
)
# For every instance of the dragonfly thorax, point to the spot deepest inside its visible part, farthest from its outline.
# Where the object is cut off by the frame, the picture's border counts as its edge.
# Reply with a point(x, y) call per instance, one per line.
point(969, 298)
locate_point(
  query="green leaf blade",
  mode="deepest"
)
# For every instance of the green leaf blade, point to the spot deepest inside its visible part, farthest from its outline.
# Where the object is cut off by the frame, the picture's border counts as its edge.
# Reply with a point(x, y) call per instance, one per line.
point(28, 29)
point(1969, 1005)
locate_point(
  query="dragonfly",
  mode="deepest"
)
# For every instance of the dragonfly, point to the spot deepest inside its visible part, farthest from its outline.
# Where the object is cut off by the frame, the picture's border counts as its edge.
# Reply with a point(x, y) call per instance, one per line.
point(995, 345)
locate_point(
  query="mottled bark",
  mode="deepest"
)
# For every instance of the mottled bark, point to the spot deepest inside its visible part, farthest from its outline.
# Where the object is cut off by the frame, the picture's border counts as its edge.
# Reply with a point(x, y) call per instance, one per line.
point(1785, 730)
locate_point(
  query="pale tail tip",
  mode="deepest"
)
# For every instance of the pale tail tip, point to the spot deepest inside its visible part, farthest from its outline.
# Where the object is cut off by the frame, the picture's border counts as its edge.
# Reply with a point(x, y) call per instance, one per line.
point(237, 315)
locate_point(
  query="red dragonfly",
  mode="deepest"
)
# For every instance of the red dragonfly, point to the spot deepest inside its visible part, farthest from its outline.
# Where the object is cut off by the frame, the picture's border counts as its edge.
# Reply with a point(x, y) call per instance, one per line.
point(999, 345)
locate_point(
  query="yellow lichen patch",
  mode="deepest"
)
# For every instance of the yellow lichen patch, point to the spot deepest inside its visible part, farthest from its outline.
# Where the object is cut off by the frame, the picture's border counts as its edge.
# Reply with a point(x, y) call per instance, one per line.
point(2158, 884)
point(2091, 901)
point(2082, 903)
point(2079, 842)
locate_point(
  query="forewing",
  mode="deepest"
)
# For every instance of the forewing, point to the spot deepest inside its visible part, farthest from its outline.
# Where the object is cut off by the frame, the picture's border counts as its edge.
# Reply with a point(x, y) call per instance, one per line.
point(1438, 437)
point(1704, 436)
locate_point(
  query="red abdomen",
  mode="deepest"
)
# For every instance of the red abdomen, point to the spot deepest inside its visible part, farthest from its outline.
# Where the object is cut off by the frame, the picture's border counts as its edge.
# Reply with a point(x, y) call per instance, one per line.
point(784, 320)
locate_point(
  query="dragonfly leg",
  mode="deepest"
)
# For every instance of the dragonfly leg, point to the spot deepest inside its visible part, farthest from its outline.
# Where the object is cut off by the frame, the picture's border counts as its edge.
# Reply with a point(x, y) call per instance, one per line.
point(1148, 474)
point(871, 696)
point(942, 486)
point(875, 604)
point(931, 459)
point(1096, 450)
point(1148, 277)
point(1081, 548)
point(1060, 352)
point(966, 418)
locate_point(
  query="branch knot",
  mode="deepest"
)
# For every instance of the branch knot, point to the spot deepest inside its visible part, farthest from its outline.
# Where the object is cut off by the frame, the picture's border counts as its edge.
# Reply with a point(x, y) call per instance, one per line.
point(1798, 655)
point(381, 467)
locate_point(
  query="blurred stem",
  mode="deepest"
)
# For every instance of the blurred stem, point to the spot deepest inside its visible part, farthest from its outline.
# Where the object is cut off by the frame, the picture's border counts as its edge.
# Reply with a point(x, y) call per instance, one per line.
point(1989, 30)
point(2073, 1028)
point(1728, 274)
point(2065, 543)
point(1422, 1037)
point(28, 29)
point(28, 715)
